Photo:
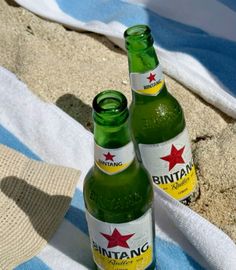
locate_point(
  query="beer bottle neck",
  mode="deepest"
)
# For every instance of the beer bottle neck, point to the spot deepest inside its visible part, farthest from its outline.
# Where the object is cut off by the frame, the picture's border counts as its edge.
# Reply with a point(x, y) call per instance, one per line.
point(146, 76)
point(110, 114)
point(112, 137)
point(142, 61)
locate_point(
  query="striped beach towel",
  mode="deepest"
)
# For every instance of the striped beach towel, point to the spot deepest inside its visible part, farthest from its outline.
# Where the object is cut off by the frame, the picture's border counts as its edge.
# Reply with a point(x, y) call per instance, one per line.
point(195, 40)
point(40, 130)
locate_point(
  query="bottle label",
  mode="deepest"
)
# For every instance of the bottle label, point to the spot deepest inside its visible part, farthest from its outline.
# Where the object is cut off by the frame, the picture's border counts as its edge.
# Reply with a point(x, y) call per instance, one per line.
point(122, 246)
point(149, 83)
point(112, 161)
point(171, 165)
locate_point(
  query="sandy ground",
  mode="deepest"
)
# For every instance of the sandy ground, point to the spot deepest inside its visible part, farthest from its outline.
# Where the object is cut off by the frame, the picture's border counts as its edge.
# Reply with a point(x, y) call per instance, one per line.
point(68, 68)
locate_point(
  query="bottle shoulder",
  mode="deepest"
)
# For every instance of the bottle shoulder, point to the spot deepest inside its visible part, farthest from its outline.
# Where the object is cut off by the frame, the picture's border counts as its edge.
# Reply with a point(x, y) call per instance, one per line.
point(165, 108)
point(164, 97)
point(134, 173)
point(120, 197)
point(156, 119)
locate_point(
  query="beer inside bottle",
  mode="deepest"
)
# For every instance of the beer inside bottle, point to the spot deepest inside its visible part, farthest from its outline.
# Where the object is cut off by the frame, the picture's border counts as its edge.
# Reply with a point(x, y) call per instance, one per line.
point(157, 120)
point(118, 192)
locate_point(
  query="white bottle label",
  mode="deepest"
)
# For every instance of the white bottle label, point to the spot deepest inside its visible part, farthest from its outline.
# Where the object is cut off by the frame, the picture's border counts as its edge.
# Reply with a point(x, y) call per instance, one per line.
point(119, 246)
point(171, 165)
point(112, 161)
point(149, 83)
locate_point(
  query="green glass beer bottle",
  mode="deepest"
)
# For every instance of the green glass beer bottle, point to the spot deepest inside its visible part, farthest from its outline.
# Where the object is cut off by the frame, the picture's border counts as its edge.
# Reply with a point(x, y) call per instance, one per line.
point(157, 120)
point(118, 192)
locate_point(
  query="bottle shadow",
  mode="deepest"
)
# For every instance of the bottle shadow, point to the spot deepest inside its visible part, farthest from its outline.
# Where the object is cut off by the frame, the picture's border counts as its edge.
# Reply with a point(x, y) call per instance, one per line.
point(107, 43)
point(43, 210)
point(12, 3)
point(77, 109)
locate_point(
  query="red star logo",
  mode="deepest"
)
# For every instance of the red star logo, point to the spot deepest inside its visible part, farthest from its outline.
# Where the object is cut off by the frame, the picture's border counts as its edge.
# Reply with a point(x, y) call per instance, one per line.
point(175, 157)
point(116, 239)
point(109, 156)
point(151, 77)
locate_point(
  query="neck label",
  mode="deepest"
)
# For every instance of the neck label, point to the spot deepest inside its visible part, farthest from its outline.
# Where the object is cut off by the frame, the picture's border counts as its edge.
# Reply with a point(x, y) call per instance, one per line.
point(149, 83)
point(112, 161)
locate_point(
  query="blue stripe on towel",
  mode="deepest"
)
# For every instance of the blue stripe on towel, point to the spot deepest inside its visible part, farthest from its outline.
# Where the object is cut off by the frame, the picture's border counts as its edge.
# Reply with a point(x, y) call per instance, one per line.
point(169, 256)
point(11, 141)
point(216, 54)
point(105, 11)
point(76, 214)
point(33, 264)
point(229, 3)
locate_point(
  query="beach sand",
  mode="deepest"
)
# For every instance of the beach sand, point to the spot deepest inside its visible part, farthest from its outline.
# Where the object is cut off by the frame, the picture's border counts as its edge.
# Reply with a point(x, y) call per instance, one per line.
point(69, 68)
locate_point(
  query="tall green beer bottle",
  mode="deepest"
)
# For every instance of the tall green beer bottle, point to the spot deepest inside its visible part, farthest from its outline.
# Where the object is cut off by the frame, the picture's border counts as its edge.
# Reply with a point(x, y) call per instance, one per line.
point(157, 120)
point(118, 192)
